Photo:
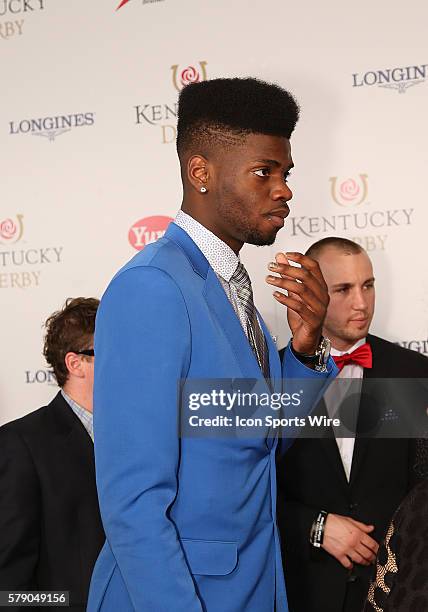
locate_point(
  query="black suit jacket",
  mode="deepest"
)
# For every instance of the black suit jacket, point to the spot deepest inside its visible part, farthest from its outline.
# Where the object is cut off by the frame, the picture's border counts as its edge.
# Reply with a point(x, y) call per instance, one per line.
point(311, 478)
point(50, 525)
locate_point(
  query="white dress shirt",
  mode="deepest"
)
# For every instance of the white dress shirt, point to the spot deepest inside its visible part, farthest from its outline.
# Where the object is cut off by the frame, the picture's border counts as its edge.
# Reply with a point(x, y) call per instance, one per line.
point(334, 396)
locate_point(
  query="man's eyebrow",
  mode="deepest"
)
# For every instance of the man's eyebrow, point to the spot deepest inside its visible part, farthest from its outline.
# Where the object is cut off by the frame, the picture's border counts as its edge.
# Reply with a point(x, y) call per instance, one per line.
point(272, 162)
point(347, 285)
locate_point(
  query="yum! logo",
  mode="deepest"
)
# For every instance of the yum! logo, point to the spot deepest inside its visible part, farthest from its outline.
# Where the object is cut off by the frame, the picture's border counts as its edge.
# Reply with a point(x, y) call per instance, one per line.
point(144, 2)
point(147, 230)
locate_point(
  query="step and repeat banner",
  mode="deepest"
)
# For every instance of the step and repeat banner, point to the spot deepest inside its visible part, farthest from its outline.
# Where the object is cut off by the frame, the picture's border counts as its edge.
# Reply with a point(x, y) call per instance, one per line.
point(89, 172)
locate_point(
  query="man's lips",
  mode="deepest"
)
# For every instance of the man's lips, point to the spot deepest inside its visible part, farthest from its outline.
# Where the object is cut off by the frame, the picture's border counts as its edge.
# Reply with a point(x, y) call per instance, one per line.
point(277, 217)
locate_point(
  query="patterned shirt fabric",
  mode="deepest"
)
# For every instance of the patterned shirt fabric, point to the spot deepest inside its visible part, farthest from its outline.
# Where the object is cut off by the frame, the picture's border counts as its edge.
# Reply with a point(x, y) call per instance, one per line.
point(222, 259)
point(85, 417)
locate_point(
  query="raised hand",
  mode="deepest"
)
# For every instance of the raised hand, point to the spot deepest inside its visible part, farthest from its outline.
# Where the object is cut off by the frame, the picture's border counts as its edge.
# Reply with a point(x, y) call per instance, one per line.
point(307, 298)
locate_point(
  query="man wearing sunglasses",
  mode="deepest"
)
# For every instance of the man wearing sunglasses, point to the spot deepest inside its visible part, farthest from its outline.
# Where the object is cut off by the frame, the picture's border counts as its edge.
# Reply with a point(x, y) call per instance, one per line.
point(50, 526)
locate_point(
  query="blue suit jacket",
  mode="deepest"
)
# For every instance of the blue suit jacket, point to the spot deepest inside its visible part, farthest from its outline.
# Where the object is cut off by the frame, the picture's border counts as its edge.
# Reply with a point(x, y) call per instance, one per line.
point(190, 523)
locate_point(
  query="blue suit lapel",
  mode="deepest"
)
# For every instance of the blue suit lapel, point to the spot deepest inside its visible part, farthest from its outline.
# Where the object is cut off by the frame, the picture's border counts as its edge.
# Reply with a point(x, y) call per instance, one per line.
point(194, 254)
point(228, 322)
point(275, 375)
point(219, 304)
point(274, 360)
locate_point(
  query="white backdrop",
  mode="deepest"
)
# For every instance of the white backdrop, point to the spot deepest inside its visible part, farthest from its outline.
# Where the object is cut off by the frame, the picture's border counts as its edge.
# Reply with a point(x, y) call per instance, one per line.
point(87, 105)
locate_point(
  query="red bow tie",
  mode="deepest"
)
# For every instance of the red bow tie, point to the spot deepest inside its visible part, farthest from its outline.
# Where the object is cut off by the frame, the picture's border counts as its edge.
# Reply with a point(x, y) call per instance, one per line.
point(361, 356)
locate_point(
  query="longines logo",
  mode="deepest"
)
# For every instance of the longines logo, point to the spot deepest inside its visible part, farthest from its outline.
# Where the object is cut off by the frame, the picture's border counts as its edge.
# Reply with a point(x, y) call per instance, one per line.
point(399, 79)
point(40, 377)
point(165, 115)
point(143, 2)
point(147, 230)
point(12, 12)
point(21, 268)
point(51, 127)
point(11, 230)
point(421, 346)
point(351, 193)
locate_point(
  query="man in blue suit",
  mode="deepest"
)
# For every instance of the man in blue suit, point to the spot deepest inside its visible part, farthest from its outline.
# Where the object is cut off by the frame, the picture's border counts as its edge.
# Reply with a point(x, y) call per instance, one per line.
point(190, 522)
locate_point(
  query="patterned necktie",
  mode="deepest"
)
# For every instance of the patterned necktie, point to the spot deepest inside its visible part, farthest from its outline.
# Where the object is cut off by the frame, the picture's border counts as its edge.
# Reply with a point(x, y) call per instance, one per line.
point(256, 337)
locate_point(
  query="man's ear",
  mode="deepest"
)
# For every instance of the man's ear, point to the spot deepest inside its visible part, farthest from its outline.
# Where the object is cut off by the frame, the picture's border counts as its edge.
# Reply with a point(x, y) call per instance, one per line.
point(73, 364)
point(198, 173)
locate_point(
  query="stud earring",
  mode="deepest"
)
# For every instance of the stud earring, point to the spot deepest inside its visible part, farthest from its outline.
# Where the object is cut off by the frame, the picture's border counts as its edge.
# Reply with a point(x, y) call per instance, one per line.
point(203, 190)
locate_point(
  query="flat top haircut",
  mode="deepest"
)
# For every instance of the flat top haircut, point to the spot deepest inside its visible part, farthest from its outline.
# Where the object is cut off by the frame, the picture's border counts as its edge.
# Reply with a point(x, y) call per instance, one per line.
point(348, 247)
point(69, 329)
point(224, 111)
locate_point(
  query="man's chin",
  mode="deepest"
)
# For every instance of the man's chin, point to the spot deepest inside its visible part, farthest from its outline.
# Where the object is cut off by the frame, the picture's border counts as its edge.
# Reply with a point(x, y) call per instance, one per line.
point(357, 334)
point(259, 239)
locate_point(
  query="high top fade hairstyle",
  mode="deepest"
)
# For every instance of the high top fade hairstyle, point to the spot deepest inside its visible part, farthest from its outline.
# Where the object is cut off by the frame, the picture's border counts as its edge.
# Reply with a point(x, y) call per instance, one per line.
point(224, 111)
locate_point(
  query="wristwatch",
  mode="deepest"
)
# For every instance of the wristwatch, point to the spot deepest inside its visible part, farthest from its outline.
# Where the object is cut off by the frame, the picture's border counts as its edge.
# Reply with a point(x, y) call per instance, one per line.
point(319, 359)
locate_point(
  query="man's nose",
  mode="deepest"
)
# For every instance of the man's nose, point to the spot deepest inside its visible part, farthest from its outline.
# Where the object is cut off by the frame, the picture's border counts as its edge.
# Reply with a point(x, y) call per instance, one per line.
point(281, 191)
point(359, 301)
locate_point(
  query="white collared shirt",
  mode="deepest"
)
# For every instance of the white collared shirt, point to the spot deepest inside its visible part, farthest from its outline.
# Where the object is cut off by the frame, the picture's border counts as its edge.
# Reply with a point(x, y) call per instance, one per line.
point(333, 398)
point(222, 259)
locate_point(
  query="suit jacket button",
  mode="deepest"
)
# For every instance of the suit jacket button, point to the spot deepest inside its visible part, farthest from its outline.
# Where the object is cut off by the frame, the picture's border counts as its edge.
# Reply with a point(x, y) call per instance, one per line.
point(353, 506)
point(352, 577)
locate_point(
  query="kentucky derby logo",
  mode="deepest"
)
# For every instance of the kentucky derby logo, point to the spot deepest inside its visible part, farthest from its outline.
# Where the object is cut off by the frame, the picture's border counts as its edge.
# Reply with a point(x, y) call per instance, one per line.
point(349, 192)
point(182, 77)
point(147, 230)
point(11, 230)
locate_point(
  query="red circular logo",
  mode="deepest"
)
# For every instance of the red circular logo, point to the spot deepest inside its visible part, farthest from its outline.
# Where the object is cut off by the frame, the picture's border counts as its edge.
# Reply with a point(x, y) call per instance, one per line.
point(189, 75)
point(349, 190)
point(8, 229)
point(147, 230)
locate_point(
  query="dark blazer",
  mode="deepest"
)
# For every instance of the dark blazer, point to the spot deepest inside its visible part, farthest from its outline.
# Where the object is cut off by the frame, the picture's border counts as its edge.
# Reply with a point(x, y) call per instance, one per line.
point(50, 525)
point(311, 478)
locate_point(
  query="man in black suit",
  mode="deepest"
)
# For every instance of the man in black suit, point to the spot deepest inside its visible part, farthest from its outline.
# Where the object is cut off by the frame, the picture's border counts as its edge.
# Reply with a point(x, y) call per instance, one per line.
point(50, 525)
point(340, 492)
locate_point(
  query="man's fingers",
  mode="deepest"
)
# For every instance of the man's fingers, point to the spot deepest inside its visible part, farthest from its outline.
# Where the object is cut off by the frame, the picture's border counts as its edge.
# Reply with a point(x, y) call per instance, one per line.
point(299, 273)
point(302, 276)
point(362, 526)
point(297, 306)
point(366, 553)
point(308, 263)
point(355, 556)
point(281, 258)
point(370, 544)
point(306, 294)
point(346, 562)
